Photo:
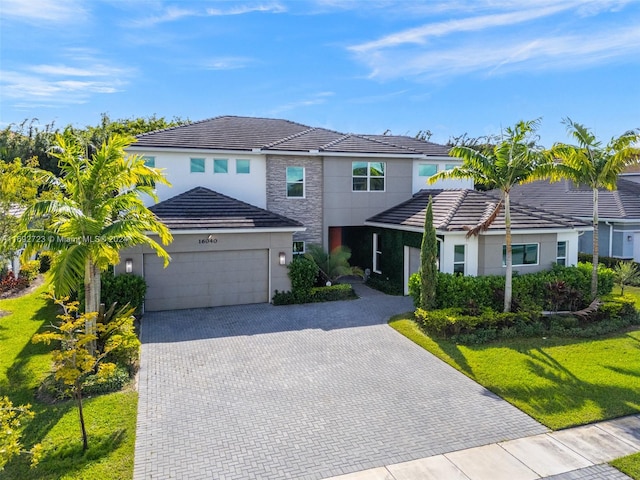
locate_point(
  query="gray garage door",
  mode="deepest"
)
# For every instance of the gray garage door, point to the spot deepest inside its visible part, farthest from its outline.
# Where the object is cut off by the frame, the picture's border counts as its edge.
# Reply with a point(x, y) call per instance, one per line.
point(206, 279)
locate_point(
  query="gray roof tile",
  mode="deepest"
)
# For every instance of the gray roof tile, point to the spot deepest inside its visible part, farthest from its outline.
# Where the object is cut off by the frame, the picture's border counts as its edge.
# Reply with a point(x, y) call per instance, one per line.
point(268, 134)
point(566, 198)
point(201, 208)
point(458, 210)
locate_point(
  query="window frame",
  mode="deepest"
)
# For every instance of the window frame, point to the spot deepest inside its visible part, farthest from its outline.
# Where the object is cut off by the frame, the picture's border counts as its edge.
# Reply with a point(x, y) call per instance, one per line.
point(298, 182)
point(368, 177)
point(199, 160)
point(525, 245)
point(226, 166)
point(561, 259)
point(458, 262)
point(377, 253)
point(238, 163)
point(298, 252)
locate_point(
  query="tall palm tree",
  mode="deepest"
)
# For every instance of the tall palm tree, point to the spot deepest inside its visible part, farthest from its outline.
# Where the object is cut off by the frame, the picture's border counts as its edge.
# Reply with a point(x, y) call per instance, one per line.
point(96, 212)
point(595, 165)
point(515, 159)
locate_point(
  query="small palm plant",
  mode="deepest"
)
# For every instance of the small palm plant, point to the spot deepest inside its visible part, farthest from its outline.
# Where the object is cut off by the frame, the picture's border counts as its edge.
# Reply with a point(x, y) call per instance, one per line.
point(335, 264)
point(626, 273)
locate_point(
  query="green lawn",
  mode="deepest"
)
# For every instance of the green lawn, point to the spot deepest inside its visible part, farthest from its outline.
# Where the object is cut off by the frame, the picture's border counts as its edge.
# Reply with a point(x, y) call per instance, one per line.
point(558, 381)
point(110, 419)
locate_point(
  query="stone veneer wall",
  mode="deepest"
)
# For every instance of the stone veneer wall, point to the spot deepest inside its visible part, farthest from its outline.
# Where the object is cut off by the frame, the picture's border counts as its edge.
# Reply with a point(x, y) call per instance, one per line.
point(307, 210)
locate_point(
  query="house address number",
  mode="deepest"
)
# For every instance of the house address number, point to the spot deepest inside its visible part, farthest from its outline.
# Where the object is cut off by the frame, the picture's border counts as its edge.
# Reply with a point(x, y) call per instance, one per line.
point(207, 240)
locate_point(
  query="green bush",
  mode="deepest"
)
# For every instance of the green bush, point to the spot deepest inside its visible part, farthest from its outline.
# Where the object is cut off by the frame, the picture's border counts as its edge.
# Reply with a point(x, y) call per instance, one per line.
point(29, 270)
point(342, 291)
point(283, 298)
point(384, 285)
point(123, 289)
point(45, 261)
point(414, 288)
point(302, 273)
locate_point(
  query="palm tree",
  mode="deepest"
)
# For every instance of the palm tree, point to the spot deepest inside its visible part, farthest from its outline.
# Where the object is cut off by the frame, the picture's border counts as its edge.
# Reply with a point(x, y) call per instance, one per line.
point(595, 165)
point(335, 264)
point(515, 159)
point(97, 211)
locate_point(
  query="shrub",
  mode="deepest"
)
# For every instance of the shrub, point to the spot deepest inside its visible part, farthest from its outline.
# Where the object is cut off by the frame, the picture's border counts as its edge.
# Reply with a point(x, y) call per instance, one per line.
point(302, 273)
point(122, 289)
point(384, 285)
point(45, 261)
point(334, 292)
point(29, 270)
point(283, 298)
point(414, 288)
point(11, 283)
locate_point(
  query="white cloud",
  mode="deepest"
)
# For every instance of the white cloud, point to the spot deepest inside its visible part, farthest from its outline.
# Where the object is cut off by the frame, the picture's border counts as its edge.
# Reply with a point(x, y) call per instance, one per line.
point(59, 84)
point(248, 8)
point(496, 43)
point(227, 63)
point(315, 99)
point(40, 11)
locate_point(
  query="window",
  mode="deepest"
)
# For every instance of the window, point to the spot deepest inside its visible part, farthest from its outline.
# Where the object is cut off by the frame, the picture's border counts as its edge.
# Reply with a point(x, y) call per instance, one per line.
point(377, 253)
point(522, 254)
point(197, 165)
point(449, 166)
point(243, 166)
point(220, 165)
point(427, 169)
point(295, 182)
point(298, 247)
point(368, 176)
point(458, 259)
point(151, 163)
point(561, 255)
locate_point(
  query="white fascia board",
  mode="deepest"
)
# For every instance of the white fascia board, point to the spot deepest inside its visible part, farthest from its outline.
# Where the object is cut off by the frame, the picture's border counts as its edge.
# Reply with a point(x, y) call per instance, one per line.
point(534, 231)
point(211, 231)
point(405, 228)
point(191, 151)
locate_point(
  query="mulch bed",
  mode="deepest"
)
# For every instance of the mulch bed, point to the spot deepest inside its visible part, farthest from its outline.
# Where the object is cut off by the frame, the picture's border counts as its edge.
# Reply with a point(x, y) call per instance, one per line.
point(25, 291)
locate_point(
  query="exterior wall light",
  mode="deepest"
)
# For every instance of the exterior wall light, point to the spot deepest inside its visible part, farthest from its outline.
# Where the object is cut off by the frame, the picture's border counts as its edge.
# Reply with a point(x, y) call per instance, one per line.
point(128, 265)
point(282, 257)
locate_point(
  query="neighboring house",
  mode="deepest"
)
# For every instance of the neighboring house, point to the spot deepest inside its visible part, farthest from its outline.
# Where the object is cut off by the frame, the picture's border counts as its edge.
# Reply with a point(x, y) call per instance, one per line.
point(539, 238)
point(618, 212)
point(319, 184)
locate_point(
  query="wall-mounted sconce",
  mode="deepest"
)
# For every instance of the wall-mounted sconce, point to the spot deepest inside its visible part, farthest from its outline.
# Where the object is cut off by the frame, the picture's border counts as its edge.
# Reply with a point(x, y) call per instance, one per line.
point(128, 265)
point(629, 237)
point(282, 258)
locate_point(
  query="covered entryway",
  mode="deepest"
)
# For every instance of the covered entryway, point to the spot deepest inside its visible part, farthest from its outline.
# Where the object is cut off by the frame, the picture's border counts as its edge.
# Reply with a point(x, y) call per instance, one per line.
point(207, 279)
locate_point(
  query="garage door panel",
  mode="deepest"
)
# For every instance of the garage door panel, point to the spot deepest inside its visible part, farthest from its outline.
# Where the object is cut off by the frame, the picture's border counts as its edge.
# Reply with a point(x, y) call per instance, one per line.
point(207, 279)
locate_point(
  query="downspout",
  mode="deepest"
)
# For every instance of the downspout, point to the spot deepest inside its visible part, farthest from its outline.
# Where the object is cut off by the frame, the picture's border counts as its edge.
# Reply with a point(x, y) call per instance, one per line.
point(610, 238)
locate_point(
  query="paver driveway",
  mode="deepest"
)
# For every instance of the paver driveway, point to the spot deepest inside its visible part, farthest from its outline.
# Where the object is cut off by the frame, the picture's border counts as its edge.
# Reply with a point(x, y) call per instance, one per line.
point(301, 391)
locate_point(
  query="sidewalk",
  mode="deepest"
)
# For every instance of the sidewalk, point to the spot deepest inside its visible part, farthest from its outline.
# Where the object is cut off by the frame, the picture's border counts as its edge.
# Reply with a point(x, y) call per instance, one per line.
point(571, 454)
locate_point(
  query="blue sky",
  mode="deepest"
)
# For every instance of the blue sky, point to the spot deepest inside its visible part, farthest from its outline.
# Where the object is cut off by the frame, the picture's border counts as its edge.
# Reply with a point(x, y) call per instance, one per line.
point(448, 66)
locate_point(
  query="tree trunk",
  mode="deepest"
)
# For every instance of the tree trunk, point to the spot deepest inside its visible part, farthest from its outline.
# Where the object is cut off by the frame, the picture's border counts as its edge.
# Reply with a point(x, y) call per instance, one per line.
point(508, 277)
point(596, 247)
point(78, 392)
point(92, 288)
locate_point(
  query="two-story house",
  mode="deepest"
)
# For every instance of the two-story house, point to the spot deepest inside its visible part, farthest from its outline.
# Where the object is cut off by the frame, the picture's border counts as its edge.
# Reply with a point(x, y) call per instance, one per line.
point(248, 193)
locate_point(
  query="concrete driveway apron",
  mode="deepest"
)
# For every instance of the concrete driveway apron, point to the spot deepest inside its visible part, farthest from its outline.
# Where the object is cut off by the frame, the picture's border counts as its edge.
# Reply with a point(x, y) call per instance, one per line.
point(301, 391)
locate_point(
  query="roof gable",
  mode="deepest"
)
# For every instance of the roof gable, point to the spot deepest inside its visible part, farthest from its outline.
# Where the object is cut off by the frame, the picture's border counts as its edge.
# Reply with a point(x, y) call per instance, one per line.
point(201, 208)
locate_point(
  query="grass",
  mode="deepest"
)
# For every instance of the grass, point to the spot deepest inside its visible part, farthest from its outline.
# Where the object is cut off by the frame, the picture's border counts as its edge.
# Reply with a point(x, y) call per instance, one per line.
point(629, 465)
point(111, 419)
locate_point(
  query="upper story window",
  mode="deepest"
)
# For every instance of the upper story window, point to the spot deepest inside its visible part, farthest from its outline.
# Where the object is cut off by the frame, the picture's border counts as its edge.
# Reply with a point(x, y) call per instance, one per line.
point(151, 163)
point(295, 182)
point(427, 169)
point(450, 166)
point(561, 255)
point(522, 254)
point(220, 165)
point(197, 165)
point(368, 176)
point(243, 166)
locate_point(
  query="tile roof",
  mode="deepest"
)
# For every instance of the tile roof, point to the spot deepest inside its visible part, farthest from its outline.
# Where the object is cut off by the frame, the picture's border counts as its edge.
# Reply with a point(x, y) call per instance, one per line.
point(268, 134)
point(201, 208)
point(457, 210)
point(566, 198)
